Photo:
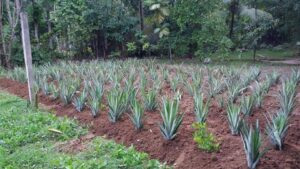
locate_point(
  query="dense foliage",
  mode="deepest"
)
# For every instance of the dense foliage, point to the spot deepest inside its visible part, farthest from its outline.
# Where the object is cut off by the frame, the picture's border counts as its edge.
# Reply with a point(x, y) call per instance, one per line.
point(119, 28)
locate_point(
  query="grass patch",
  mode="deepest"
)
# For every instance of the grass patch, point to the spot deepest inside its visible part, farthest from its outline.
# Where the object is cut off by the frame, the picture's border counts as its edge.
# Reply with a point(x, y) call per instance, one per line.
point(26, 142)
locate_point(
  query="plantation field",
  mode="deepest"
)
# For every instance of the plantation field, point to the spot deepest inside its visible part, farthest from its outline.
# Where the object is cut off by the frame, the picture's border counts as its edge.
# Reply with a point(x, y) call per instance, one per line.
point(187, 115)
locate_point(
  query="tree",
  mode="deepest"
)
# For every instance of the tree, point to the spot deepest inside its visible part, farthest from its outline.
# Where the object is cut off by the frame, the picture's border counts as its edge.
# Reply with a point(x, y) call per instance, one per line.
point(8, 32)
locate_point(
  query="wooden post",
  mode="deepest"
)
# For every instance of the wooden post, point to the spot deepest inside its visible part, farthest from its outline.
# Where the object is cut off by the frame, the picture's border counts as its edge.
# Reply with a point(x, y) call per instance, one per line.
point(26, 49)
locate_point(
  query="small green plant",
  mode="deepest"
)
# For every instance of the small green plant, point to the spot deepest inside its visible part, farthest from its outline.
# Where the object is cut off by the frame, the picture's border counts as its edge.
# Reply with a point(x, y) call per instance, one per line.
point(215, 86)
point(233, 91)
point(17, 74)
point(137, 114)
point(277, 126)
point(201, 109)
point(54, 91)
point(117, 104)
point(252, 142)
point(234, 119)
point(287, 96)
point(94, 104)
point(221, 101)
point(44, 85)
point(247, 105)
point(79, 101)
point(171, 119)
point(295, 76)
point(67, 91)
point(258, 94)
point(174, 82)
point(193, 87)
point(149, 99)
point(205, 140)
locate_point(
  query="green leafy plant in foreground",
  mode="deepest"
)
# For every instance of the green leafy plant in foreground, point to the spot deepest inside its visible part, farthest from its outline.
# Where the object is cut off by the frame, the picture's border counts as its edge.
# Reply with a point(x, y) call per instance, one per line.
point(137, 114)
point(252, 142)
point(201, 109)
point(171, 119)
point(234, 119)
point(205, 140)
point(277, 126)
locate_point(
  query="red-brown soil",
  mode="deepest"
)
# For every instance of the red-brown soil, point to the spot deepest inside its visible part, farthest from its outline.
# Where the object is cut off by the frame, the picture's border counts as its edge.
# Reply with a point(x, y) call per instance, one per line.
point(182, 152)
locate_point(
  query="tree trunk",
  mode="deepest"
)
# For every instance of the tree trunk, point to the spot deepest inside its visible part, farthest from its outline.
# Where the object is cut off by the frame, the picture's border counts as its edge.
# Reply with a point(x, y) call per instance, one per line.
point(231, 25)
point(26, 49)
point(141, 14)
point(2, 48)
point(49, 26)
point(36, 33)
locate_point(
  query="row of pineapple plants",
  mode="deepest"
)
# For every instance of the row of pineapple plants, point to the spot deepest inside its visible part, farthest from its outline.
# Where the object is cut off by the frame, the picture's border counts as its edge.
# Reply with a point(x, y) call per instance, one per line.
point(277, 124)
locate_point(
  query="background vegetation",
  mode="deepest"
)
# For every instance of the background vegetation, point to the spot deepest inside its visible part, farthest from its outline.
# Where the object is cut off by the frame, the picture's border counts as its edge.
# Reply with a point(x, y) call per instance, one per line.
point(128, 28)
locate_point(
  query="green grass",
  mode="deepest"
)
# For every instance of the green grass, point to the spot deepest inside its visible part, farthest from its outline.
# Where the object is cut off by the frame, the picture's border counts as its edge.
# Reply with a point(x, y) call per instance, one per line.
point(266, 53)
point(27, 143)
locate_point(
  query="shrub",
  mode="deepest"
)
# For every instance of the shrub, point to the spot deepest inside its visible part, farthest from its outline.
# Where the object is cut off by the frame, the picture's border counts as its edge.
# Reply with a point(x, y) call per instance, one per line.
point(247, 105)
point(205, 140)
point(137, 114)
point(277, 126)
point(201, 109)
point(252, 142)
point(234, 119)
point(171, 119)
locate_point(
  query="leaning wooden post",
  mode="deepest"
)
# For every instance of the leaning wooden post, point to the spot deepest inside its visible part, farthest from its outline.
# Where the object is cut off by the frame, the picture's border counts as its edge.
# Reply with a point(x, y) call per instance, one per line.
point(26, 48)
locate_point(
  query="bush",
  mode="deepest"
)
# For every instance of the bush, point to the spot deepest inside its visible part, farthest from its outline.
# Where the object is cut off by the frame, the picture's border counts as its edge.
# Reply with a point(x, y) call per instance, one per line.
point(205, 140)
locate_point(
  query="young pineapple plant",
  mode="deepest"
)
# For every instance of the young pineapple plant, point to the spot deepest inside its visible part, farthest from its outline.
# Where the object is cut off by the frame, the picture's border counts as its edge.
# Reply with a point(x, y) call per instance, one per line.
point(67, 91)
point(79, 101)
point(287, 97)
point(174, 82)
point(143, 81)
point(44, 85)
point(54, 90)
point(233, 92)
point(295, 76)
point(247, 105)
point(94, 104)
point(221, 101)
point(201, 109)
point(215, 86)
point(258, 94)
point(137, 114)
point(277, 126)
point(252, 141)
point(234, 119)
point(149, 99)
point(171, 119)
point(117, 104)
